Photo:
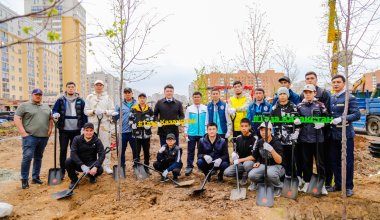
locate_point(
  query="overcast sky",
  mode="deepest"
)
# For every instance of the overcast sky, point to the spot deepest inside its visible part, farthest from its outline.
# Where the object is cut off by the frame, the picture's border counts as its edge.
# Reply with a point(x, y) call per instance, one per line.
point(196, 31)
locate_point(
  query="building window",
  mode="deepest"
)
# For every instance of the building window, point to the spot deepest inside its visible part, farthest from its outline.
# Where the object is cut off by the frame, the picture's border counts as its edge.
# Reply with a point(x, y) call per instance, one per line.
point(19, 70)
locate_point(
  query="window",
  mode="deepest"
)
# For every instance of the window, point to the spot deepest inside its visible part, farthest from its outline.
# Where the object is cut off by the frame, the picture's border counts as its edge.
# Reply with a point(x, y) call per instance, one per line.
point(19, 70)
point(19, 60)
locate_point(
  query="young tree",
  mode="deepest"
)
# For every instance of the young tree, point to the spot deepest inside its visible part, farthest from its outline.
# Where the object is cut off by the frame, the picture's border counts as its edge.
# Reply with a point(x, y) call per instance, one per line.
point(255, 43)
point(285, 57)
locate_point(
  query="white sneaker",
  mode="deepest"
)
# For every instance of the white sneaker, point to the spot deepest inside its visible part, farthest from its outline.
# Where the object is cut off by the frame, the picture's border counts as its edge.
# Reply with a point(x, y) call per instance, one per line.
point(324, 191)
point(304, 189)
point(252, 187)
point(108, 170)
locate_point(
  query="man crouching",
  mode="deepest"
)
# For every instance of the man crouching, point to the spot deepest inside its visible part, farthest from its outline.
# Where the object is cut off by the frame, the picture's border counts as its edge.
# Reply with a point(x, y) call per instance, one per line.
point(87, 155)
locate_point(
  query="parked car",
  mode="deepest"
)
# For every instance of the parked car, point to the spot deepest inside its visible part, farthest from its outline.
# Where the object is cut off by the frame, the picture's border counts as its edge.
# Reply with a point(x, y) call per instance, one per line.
point(8, 115)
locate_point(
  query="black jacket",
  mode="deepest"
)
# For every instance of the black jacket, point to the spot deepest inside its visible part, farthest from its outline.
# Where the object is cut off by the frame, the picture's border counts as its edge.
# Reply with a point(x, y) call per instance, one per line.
point(168, 111)
point(218, 149)
point(259, 153)
point(138, 116)
point(244, 145)
point(323, 96)
point(83, 152)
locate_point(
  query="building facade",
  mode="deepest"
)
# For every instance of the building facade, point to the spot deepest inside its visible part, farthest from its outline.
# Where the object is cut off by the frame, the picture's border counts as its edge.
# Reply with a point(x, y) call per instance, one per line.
point(70, 24)
point(26, 65)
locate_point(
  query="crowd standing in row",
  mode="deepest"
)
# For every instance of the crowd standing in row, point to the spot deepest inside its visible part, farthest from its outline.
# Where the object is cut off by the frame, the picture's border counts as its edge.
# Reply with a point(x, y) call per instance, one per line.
point(215, 125)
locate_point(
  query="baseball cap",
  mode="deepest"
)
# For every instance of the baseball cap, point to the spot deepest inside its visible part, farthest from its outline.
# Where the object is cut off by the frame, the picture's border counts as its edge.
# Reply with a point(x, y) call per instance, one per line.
point(37, 91)
point(99, 81)
point(88, 125)
point(170, 136)
point(284, 78)
point(142, 94)
point(127, 89)
point(309, 87)
point(262, 125)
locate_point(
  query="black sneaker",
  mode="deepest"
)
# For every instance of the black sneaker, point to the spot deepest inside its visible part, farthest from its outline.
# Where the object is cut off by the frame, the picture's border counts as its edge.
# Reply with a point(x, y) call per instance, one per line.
point(72, 184)
point(37, 181)
point(92, 179)
point(334, 189)
point(175, 177)
point(220, 178)
point(163, 179)
point(24, 184)
point(188, 171)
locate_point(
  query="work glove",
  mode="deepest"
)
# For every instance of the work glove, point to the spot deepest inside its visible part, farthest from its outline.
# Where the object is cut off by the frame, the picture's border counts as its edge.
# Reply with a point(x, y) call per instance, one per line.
point(336, 121)
point(268, 147)
point(147, 127)
point(234, 156)
point(162, 149)
point(56, 115)
point(294, 136)
point(232, 111)
point(115, 113)
point(134, 126)
point(236, 162)
point(159, 124)
point(319, 125)
point(217, 162)
point(99, 112)
point(297, 121)
point(165, 173)
point(208, 159)
point(85, 168)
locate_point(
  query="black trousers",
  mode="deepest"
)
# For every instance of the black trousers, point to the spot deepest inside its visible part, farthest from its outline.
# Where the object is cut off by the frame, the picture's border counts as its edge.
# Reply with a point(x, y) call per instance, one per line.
point(160, 166)
point(145, 145)
point(287, 160)
point(65, 140)
point(299, 159)
point(71, 167)
point(309, 151)
point(327, 162)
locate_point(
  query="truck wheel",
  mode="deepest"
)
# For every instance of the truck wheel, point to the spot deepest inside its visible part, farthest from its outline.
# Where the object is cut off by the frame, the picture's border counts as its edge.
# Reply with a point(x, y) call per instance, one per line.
point(373, 126)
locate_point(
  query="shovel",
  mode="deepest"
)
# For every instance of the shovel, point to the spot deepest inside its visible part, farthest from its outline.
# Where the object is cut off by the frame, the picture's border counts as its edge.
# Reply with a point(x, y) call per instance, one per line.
point(178, 184)
point(69, 192)
point(55, 174)
point(238, 193)
point(115, 167)
point(139, 170)
point(265, 192)
point(199, 191)
point(99, 122)
point(290, 188)
point(316, 181)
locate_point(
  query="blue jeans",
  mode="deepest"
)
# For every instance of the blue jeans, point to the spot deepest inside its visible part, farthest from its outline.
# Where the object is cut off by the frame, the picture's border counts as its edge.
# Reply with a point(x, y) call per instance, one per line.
point(193, 141)
point(125, 138)
point(32, 148)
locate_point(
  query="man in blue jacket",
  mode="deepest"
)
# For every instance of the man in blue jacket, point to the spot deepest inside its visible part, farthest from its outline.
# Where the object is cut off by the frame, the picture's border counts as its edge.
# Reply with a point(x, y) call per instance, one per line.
point(126, 135)
point(258, 107)
point(217, 113)
point(213, 152)
point(293, 97)
point(337, 104)
point(68, 112)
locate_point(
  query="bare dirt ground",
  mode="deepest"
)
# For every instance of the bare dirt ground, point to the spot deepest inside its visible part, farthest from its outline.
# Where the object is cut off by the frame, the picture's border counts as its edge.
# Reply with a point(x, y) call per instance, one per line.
point(150, 199)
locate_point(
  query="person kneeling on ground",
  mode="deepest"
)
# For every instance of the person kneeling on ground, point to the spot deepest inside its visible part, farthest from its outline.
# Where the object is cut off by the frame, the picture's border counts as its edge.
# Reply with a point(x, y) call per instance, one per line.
point(213, 149)
point(272, 150)
point(169, 159)
point(86, 150)
point(243, 155)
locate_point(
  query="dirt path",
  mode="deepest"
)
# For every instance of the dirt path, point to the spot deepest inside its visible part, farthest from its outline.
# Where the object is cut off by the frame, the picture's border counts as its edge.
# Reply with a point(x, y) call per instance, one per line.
point(151, 199)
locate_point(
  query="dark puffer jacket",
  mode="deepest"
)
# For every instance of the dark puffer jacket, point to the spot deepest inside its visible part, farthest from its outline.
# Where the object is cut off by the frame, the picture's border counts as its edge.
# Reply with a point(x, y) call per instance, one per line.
point(219, 149)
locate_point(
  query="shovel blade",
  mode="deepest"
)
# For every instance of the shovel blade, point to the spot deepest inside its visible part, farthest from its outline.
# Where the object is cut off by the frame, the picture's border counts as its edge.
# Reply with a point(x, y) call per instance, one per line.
point(140, 172)
point(55, 176)
point(184, 183)
point(63, 194)
point(237, 194)
point(290, 188)
point(122, 172)
point(197, 192)
point(265, 195)
point(315, 185)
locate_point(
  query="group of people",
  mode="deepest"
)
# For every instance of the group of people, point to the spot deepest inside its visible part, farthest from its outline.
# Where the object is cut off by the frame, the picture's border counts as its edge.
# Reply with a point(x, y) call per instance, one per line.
point(211, 127)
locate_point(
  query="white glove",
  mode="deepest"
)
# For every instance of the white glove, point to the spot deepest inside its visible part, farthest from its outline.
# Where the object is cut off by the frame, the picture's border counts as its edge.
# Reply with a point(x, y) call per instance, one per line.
point(115, 113)
point(232, 111)
point(294, 136)
point(159, 124)
point(319, 125)
point(336, 121)
point(207, 158)
point(56, 115)
point(99, 112)
point(165, 173)
point(134, 126)
point(297, 121)
point(268, 147)
point(234, 156)
point(85, 168)
point(228, 134)
point(236, 162)
point(162, 149)
point(217, 162)
point(177, 124)
point(147, 127)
